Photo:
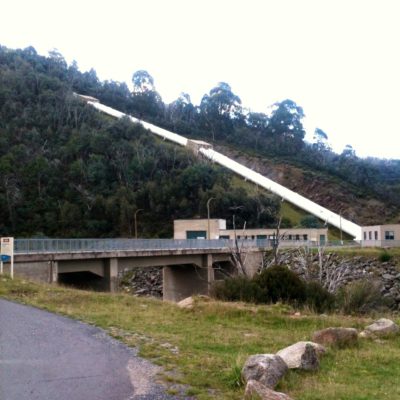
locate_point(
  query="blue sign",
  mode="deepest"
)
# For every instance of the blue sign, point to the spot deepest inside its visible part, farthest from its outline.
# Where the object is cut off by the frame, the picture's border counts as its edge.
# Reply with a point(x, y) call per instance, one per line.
point(5, 258)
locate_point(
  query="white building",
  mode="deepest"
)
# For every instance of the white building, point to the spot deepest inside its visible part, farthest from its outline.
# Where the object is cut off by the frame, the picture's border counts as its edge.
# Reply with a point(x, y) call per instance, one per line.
point(199, 228)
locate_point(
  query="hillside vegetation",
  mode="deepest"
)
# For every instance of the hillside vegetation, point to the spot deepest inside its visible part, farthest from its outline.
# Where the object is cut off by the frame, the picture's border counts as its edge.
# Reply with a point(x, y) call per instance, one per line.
point(203, 349)
point(66, 170)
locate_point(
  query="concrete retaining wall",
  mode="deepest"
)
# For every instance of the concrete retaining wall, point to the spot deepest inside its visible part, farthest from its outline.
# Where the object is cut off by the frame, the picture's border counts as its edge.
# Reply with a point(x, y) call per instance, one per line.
point(37, 271)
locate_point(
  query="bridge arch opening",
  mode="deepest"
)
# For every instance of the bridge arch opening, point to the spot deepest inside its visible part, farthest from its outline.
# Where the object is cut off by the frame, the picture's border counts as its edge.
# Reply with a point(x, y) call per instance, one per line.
point(84, 280)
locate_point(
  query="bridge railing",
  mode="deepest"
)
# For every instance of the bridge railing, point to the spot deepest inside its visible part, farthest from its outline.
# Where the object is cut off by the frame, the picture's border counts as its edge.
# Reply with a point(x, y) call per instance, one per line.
point(26, 246)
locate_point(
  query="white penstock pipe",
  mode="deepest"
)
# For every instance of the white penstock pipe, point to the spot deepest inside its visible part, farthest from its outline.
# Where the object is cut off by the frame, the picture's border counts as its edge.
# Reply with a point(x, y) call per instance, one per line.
point(173, 137)
point(283, 192)
point(286, 194)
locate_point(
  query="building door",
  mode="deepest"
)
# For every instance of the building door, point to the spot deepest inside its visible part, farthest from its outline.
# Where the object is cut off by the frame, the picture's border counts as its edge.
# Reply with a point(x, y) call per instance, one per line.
point(322, 239)
point(196, 234)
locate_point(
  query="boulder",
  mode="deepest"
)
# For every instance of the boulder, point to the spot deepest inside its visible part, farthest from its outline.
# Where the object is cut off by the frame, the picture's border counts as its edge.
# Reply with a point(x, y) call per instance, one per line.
point(381, 328)
point(189, 302)
point(340, 337)
point(302, 355)
point(186, 303)
point(267, 369)
point(257, 391)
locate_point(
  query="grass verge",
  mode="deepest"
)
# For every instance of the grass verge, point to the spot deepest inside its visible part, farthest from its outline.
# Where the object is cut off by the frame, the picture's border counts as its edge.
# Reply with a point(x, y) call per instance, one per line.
point(215, 338)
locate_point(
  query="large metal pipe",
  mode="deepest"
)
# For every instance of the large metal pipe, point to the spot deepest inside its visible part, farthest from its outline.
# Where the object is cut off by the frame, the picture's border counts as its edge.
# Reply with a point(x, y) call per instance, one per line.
point(285, 193)
point(300, 201)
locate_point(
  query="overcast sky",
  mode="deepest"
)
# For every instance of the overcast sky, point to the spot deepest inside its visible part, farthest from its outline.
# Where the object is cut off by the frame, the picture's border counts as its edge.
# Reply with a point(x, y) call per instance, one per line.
point(338, 59)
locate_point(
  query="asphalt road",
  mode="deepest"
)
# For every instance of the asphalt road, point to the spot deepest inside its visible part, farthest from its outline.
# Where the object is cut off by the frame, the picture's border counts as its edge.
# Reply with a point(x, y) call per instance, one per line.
point(47, 357)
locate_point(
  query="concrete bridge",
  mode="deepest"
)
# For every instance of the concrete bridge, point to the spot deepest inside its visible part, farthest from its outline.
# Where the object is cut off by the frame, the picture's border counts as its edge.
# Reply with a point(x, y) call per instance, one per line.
point(189, 266)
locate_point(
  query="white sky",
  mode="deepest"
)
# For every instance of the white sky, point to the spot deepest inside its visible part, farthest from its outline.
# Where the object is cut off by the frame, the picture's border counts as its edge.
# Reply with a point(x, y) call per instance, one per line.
point(338, 59)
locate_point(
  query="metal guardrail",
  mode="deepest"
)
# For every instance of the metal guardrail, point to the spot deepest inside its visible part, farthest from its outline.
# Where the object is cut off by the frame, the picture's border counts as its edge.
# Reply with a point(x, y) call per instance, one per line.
point(28, 246)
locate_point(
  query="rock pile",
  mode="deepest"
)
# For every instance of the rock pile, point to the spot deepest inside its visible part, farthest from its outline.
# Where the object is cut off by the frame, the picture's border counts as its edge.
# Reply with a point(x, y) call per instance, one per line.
point(146, 281)
point(262, 372)
point(344, 270)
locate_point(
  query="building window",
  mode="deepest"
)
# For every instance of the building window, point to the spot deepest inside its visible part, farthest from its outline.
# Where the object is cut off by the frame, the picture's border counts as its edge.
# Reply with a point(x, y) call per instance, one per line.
point(226, 237)
point(370, 235)
point(305, 237)
point(290, 237)
point(376, 235)
point(389, 235)
point(297, 237)
point(196, 234)
point(261, 236)
point(365, 235)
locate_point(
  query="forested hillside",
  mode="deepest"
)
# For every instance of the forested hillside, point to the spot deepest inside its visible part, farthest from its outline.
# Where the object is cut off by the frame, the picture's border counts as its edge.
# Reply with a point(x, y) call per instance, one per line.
point(366, 191)
point(66, 170)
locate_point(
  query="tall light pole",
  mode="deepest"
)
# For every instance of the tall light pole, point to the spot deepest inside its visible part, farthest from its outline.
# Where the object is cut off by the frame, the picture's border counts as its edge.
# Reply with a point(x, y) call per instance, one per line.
point(136, 212)
point(234, 209)
point(208, 216)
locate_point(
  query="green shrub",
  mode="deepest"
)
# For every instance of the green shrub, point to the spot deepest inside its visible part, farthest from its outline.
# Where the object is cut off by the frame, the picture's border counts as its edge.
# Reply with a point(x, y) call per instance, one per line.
point(238, 288)
point(310, 221)
point(278, 283)
point(318, 298)
point(360, 297)
point(384, 256)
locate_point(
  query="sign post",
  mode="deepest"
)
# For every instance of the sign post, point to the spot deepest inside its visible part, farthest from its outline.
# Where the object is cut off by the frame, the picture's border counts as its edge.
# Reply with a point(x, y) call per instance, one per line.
point(7, 253)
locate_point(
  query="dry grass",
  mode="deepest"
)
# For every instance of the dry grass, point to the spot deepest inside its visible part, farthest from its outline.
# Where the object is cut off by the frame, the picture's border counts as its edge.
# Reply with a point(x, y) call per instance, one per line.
point(214, 339)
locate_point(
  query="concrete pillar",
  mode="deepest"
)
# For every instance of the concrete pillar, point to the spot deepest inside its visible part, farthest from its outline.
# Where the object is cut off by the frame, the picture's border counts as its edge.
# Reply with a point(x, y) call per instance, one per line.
point(53, 271)
point(182, 281)
point(208, 264)
point(111, 274)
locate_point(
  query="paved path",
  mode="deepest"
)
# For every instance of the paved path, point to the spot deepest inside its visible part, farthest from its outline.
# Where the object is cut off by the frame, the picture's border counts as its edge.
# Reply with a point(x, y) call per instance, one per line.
point(47, 357)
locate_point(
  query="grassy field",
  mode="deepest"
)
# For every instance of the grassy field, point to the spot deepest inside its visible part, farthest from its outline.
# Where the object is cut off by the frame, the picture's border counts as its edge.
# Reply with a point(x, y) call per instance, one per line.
point(215, 338)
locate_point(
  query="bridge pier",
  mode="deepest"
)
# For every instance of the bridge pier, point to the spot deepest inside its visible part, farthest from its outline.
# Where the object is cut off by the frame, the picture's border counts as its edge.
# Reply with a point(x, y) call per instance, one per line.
point(111, 274)
point(181, 281)
point(53, 272)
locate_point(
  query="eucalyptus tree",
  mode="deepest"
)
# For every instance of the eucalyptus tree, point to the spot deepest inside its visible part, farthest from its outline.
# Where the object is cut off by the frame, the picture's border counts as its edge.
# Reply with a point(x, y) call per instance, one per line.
point(285, 125)
point(220, 108)
point(182, 111)
point(146, 101)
